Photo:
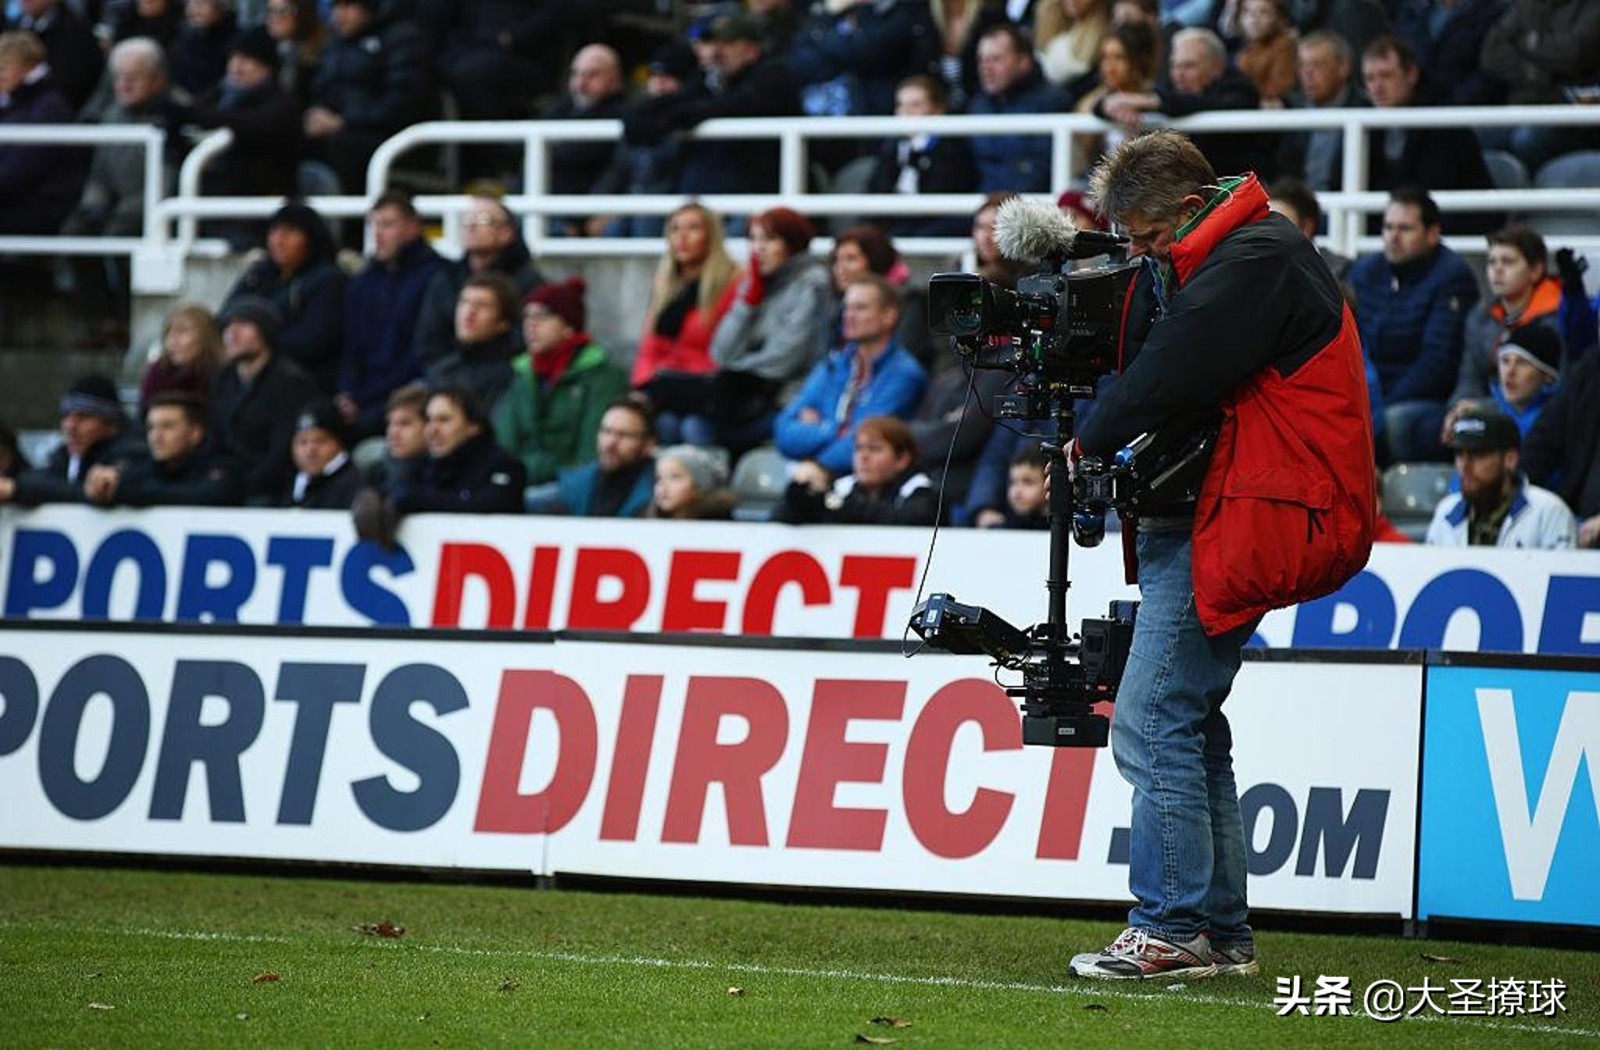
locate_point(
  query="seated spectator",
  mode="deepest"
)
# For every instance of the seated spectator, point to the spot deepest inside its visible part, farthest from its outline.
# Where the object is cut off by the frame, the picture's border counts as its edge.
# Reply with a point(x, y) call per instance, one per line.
point(646, 169)
point(1269, 56)
point(883, 488)
point(741, 81)
point(373, 80)
point(867, 249)
point(1562, 450)
point(1448, 41)
point(693, 289)
point(1027, 499)
point(75, 58)
point(923, 163)
point(1497, 506)
point(1530, 369)
point(325, 478)
point(850, 54)
point(561, 387)
point(405, 445)
point(691, 485)
point(1202, 82)
point(491, 242)
point(596, 90)
point(871, 375)
point(775, 329)
point(160, 20)
point(986, 257)
point(297, 29)
point(1011, 83)
point(112, 202)
point(1325, 67)
point(256, 397)
point(1295, 201)
point(199, 57)
point(1411, 304)
point(1067, 36)
point(13, 461)
point(92, 429)
point(1540, 48)
point(191, 353)
point(264, 158)
point(465, 472)
point(479, 357)
point(1127, 62)
point(301, 277)
point(1522, 293)
point(177, 471)
point(39, 184)
point(381, 307)
point(620, 481)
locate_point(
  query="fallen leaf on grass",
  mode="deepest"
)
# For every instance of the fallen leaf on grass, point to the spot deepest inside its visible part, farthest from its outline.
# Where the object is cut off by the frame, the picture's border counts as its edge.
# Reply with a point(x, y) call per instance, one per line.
point(101, 1006)
point(735, 991)
point(265, 978)
point(892, 1022)
point(874, 1040)
point(1095, 1006)
point(381, 929)
point(1436, 958)
point(510, 984)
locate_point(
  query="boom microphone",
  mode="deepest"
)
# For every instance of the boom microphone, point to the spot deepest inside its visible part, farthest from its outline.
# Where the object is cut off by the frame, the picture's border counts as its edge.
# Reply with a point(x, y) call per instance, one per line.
point(1028, 230)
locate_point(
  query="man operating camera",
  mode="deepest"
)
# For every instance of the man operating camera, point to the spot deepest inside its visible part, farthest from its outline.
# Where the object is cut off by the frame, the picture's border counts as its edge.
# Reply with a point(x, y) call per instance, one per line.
point(1246, 326)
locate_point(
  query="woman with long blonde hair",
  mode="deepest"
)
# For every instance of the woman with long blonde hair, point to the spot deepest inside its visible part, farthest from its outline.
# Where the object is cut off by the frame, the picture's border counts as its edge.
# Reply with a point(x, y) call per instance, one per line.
point(1067, 35)
point(693, 288)
point(191, 350)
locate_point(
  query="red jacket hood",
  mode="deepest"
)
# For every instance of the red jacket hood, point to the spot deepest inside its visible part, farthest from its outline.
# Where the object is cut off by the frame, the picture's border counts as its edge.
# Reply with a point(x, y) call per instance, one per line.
point(1241, 201)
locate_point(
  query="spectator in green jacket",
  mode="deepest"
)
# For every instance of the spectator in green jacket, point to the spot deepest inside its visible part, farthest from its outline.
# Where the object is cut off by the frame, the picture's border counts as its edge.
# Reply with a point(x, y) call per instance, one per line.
point(560, 387)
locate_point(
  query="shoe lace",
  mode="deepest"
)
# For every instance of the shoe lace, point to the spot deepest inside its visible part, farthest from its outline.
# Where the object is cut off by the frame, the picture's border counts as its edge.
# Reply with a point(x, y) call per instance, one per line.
point(1129, 942)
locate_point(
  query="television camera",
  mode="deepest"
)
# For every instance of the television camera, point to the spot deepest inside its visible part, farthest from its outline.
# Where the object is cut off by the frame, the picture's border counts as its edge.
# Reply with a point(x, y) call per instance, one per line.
point(1059, 332)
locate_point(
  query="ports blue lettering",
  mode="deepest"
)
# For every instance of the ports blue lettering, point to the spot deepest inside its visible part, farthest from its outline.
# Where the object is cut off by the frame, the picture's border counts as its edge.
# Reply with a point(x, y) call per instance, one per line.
point(19, 703)
point(26, 590)
point(1273, 799)
point(125, 545)
point(99, 675)
point(1499, 618)
point(198, 597)
point(297, 556)
point(186, 740)
point(1371, 601)
point(315, 688)
point(1329, 830)
point(1568, 601)
point(364, 594)
point(420, 748)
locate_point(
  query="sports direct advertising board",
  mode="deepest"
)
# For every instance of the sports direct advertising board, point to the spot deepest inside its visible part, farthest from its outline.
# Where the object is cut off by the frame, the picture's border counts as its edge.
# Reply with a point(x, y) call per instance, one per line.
point(718, 763)
point(305, 567)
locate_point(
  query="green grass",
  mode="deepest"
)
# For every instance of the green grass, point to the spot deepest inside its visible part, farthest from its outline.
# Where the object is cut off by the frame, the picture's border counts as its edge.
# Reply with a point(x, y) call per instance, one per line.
point(118, 958)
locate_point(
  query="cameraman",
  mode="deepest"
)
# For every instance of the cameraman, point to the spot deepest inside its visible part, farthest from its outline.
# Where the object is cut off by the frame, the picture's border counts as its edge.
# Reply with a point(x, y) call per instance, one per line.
point(1247, 326)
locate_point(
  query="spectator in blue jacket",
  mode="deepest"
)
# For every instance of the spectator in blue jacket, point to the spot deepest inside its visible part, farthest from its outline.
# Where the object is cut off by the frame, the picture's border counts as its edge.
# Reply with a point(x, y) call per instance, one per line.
point(871, 375)
point(1411, 303)
point(1012, 84)
point(381, 305)
point(850, 55)
point(620, 481)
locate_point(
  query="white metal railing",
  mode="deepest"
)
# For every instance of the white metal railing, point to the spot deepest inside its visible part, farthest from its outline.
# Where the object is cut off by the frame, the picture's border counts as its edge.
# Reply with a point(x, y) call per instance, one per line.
point(158, 255)
point(154, 141)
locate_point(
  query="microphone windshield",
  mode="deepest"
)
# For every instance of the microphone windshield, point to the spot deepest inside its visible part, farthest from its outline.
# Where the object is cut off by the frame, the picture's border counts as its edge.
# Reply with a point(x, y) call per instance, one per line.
point(1027, 230)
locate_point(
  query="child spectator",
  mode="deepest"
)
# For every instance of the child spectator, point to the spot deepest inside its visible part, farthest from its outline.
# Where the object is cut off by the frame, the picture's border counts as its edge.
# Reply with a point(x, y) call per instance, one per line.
point(886, 488)
point(191, 350)
point(1026, 504)
point(1530, 367)
point(405, 446)
point(691, 484)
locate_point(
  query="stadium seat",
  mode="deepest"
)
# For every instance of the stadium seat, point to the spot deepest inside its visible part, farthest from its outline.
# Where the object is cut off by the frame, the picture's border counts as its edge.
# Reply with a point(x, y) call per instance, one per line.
point(1572, 171)
point(854, 177)
point(1507, 170)
point(759, 478)
point(1411, 491)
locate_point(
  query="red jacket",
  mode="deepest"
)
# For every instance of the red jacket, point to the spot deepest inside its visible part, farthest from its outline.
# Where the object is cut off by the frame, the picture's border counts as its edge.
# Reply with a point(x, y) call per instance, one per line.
point(690, 351)
point(1257, 330)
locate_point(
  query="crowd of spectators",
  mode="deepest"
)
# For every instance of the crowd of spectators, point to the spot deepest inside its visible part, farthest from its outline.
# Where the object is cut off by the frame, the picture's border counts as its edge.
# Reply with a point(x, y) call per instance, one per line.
point(475, 384)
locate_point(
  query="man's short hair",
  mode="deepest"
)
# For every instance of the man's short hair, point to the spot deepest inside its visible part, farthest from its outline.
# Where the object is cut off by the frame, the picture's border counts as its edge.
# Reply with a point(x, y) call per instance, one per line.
point(185, 401)
point(470, 404)
point(1297, 195)
point(1021, 41)
point(1419, 198)
point(1525, 241)
point(1388, 44)
point(413, 396)
point(504, 289)
point(1150, 175)
point(647, 418)
point(1332, 40)
point(1031, 456)
point(933, 87)
point(887, 294)
point(892, 430)
point(1214, 47)
point(142, 49)
point(399, 200)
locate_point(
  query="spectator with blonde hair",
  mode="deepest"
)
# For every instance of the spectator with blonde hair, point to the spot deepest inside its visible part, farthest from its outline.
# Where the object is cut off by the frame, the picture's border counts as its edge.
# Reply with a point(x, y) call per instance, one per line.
point(191, 350)
point(1067, 35)
point(39, 184)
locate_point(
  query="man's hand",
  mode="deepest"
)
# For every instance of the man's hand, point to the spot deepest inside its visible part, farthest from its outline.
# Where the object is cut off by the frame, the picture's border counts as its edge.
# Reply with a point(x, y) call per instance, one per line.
point(1129, 107)
point(320, 122)
point(8, 490)
point(347, 407)
point(1589, 532)
point(810, 415)
point(1451, 416)
point(812, 475)
point(100, 485)
point(988, 518)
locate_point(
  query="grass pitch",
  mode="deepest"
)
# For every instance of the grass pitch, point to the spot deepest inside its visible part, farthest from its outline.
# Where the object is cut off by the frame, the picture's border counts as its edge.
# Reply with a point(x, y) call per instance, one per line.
point(117, 958)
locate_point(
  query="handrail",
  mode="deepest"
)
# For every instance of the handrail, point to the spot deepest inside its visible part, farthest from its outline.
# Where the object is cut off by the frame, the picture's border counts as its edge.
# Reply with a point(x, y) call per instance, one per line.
point(151, 137)
point(189, 185)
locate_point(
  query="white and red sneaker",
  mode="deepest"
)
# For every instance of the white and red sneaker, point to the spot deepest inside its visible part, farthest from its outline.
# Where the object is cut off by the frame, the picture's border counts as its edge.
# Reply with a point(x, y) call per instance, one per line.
point(1139, 954)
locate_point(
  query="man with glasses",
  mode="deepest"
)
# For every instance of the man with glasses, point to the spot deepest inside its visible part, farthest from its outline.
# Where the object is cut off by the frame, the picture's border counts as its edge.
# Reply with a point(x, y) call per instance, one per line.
point(620, 482)
point(490, 242)
point(1247, 330)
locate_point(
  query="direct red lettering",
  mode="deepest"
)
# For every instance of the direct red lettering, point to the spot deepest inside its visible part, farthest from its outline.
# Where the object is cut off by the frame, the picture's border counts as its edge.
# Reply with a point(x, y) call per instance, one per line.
point(828, 760)
point(1066, 800)
point(501, 806)
point(941, 832)
point(874, 576)
point(685, 612)
point(630, 763)
point(776, 573)
point(458, 562)
point(738, 767)
point(588, 611)
point(541, 588)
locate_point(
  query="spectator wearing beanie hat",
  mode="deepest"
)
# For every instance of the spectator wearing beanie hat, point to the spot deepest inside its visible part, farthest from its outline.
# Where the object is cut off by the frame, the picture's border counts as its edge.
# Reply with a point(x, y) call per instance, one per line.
point(300, 276)
point(1530, 369)
point(691, 484)
point(560, 388)
point(255, 398)
point(92, 427)
point(325, 478)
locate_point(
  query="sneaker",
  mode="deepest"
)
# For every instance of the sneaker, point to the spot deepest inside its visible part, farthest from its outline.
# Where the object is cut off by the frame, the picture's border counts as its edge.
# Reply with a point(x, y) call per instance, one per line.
point(1138, 954)
point(1239, 959)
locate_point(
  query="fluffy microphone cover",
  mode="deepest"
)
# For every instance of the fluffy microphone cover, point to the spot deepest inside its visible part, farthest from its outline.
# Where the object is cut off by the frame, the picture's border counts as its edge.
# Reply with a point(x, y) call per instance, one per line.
point(1027, 230)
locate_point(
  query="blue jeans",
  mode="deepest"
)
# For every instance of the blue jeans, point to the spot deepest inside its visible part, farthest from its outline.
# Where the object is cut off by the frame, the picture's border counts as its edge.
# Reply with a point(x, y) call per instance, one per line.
point(1171, 741)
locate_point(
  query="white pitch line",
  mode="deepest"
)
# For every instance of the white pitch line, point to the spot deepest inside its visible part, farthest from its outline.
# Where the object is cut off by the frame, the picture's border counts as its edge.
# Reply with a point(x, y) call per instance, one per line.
point(1097, 990)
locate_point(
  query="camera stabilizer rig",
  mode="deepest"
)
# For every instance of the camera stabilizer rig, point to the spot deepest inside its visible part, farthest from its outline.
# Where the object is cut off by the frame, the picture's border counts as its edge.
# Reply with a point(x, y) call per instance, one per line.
point(1058, 332)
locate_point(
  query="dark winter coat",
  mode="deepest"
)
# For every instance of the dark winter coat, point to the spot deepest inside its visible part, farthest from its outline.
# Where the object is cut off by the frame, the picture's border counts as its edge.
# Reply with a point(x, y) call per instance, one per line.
point(334, 491)
point(1562, 451)
point(1411, 318)
point(1016, 162)
point(865, 51)
point(312, 302)
point(909, 499)
point(381, 305)
point(479, 477)
point(265, 155)
point(379, 81)
point(197, 480)
point(1542, 46)
point(49, 484)
point(253, 424)
point(39, 184)
point(199, 57)
point(436, 320)
point(76, 60)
